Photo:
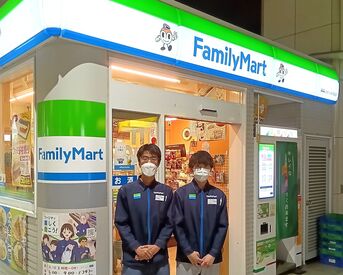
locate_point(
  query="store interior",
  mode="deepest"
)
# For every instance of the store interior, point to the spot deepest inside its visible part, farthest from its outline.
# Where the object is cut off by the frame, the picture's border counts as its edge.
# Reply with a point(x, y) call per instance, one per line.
point(17, 132)
point(182, 138)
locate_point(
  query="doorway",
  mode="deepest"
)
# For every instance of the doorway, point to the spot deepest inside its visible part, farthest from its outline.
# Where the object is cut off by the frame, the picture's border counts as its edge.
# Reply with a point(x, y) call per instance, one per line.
point(141, 114)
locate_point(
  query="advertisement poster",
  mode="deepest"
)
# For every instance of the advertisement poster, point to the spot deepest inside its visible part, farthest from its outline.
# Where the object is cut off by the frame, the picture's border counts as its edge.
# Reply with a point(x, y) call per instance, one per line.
point(68, 243)
point(210, 131)
point(21, 150)
point(13, 239)
point(286, 190)
point(265, 252)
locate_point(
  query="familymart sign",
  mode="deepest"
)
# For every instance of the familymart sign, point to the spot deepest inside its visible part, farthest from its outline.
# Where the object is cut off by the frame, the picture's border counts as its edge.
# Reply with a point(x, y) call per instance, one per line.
point(153, 30)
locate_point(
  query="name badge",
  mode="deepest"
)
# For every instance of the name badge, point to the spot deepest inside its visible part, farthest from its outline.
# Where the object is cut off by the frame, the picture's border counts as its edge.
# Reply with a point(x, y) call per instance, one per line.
point(159, 197)
point(137, 196)
point(212, 201)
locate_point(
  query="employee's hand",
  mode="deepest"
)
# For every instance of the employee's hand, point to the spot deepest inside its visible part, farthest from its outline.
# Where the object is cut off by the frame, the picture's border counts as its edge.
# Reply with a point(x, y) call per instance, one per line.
point(194, 258)
point(207, 261)
point(142, 253)
point(152, 249)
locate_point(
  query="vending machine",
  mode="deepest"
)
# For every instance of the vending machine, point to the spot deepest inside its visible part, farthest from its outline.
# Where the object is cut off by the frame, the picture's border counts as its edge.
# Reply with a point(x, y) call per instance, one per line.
point(276, 247)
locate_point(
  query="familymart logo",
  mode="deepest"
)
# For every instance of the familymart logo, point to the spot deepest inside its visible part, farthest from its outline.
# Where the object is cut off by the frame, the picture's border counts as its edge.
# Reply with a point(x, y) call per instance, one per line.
point(73, 154)
point(71, 159)
point(228, 56)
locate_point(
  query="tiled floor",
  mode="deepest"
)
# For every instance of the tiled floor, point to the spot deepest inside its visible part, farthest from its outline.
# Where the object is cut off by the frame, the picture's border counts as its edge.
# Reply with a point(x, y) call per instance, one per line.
point(317, 268)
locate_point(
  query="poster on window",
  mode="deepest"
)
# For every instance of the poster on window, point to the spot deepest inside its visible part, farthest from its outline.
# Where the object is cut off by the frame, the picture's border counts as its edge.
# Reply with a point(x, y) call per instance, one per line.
point(209, 130)
point(21, 150)
point(68, 243)
point(13, 228)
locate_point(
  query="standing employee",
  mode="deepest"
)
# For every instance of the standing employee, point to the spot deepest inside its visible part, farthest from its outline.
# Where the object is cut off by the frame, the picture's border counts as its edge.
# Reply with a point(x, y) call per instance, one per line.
point(201, 221)
point(143, 218)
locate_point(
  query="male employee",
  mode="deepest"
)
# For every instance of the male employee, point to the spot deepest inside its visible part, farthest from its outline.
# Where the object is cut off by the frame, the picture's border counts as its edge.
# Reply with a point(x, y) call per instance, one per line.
point(201, 222)
point(143, 218)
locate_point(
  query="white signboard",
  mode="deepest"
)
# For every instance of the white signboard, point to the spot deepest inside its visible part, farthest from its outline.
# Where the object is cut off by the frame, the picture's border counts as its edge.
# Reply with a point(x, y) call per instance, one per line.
point(71, 159)
point(114, 26)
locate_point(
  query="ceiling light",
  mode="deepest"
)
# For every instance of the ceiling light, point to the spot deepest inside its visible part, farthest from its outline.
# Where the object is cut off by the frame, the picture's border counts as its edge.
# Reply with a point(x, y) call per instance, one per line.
point(140, 73)
point(171, 118)
point(24, 94)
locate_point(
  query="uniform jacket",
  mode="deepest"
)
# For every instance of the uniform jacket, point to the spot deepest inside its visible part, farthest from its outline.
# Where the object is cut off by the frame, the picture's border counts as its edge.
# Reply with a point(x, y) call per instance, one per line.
point(144, 216)
point(201, 221)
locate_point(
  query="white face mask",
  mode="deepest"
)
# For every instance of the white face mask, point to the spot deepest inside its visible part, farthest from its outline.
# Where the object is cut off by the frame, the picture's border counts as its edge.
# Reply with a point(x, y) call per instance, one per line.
point(149, 169)
point(201, 174)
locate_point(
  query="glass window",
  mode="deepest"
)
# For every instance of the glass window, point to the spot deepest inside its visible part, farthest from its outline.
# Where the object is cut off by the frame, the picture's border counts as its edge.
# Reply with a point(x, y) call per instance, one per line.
point(17, 134)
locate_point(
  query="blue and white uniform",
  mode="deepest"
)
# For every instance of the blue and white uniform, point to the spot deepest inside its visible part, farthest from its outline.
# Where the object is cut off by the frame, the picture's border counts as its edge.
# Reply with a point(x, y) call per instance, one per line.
point(143, 216)
point(201, 221)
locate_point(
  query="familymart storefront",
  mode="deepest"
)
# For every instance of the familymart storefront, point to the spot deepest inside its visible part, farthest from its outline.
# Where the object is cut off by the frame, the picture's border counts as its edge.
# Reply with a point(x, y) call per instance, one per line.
point(84, 85)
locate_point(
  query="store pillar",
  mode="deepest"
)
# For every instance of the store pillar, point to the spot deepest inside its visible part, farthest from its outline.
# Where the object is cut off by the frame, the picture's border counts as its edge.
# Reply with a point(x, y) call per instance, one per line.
point(71, 88)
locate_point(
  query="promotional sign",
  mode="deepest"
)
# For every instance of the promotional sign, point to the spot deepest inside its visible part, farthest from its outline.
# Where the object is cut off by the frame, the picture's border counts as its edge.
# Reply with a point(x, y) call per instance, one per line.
point(68, 243)
point(13, 236)
point(71, 159)
point(286, 190)
point(21, 150)
point(265, 252)
point(266, 171)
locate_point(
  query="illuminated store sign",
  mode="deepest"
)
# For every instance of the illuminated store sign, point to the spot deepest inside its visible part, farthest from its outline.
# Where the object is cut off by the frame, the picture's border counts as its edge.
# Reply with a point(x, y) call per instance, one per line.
point(278, 132)
point(228, 57)
point(169, 36)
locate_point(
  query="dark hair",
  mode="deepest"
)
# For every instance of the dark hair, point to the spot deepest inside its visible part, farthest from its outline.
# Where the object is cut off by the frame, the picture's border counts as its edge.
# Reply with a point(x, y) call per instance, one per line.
point(83, 238)
point(200, 157)
point(152, 149)
point(45, 236)
point(54, 242)
point(69, 227)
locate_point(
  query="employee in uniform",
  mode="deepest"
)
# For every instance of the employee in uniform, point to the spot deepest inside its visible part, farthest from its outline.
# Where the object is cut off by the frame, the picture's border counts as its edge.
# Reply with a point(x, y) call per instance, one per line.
point(201, 221)
point(144, 218)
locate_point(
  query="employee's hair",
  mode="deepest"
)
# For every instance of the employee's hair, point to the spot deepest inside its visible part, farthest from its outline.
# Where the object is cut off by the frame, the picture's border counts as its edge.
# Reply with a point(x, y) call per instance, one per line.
point(83, 238)
point(152, 149)
point(69, 227)
point(200, 157)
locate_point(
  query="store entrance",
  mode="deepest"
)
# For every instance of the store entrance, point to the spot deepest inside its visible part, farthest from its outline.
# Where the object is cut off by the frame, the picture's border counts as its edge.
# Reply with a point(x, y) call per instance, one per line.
point(180, 125)
point(182, 137)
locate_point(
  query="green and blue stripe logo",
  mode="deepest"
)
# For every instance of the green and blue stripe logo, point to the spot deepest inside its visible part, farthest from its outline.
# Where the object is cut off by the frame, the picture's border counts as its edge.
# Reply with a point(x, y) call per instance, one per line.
point(192, 196)
point(71, 141)
point(137, 196)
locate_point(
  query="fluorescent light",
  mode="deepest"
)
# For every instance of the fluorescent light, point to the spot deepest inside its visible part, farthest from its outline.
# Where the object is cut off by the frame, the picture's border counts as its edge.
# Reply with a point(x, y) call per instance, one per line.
point(24, 94)
point(278, 132)
point(171, 118)
point(140, 73)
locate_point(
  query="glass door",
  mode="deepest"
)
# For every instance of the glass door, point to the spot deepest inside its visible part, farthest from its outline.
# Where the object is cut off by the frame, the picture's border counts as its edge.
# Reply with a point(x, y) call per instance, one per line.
point(130, 130)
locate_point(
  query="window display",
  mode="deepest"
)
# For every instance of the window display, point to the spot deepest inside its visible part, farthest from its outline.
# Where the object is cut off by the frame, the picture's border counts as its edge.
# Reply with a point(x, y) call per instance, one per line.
point(17, 135)
point(200, 135)
point(129, 132)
